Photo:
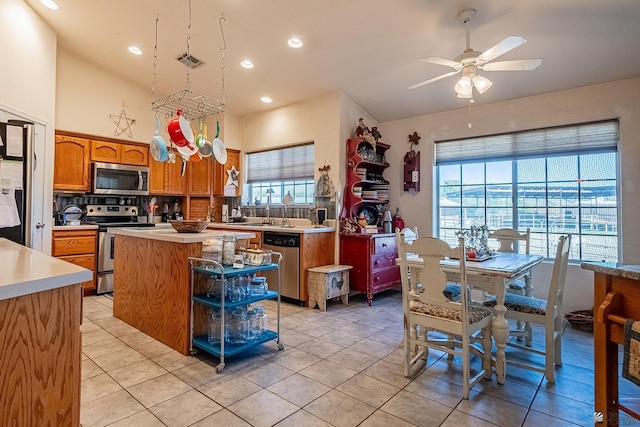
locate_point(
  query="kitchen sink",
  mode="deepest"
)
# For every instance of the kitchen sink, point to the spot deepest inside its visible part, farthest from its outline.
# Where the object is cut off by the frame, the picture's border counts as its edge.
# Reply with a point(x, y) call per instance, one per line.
point(247, 224)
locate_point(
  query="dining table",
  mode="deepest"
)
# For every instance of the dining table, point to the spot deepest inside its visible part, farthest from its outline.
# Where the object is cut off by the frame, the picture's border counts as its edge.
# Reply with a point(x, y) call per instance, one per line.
point(491, 274)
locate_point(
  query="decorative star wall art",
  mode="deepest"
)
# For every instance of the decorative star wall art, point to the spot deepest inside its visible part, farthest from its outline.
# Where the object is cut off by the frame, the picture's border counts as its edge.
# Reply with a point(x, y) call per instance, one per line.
point(233, 176)
point(122, 122)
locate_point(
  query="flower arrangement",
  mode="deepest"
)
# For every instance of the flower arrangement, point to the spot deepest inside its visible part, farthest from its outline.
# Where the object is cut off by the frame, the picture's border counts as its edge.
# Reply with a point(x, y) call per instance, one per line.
point(476, 240)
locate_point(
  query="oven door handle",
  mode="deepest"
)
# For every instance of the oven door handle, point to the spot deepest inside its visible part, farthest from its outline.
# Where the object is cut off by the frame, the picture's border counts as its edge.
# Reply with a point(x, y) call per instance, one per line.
point(112, 245)
point(140, 181)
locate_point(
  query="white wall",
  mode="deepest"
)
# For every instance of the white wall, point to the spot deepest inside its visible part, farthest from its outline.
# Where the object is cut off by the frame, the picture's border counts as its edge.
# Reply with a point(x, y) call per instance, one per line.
point(315, 120)
point(27, 91)
point(605, 101)
point(88, 95)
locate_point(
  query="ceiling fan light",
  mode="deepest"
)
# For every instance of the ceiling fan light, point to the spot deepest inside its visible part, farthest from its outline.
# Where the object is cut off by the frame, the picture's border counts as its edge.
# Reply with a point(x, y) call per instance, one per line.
point(463, 87)
point(482, 84)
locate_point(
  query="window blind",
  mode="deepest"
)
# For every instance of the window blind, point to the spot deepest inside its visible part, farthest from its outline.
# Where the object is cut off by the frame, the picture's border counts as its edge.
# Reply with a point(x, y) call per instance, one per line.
point(596, 137)
point(283, 164)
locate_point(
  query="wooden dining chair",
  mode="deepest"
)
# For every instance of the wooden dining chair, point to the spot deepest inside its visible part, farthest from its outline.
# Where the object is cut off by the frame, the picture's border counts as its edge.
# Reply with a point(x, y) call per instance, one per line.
point(510, 240)
point(547, 313)
point(427, 310)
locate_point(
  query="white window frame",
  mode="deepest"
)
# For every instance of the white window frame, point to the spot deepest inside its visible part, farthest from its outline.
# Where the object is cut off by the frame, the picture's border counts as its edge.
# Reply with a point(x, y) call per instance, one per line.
point(576, 141)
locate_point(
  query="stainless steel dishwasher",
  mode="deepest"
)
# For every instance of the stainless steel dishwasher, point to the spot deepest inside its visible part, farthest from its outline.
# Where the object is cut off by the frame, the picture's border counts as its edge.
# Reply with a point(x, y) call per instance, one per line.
point(288, 244)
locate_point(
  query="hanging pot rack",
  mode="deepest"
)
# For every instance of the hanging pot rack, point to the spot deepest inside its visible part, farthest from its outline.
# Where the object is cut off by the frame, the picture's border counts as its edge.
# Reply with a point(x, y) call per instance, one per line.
point(193, 105)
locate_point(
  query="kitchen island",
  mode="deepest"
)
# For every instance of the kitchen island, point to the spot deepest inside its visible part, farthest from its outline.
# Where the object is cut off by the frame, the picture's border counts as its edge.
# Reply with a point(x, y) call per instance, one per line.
point(40, 316)
point(151, 280)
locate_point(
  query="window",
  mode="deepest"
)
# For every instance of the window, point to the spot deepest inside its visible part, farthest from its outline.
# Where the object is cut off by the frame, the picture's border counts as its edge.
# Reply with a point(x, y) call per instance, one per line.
point(552, 181)
point(284, 171)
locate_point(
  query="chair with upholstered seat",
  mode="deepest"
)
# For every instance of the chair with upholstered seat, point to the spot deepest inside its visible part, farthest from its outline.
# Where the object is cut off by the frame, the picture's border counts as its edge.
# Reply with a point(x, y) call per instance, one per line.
point(427, 310)
point(547, 313)
point(509, 240)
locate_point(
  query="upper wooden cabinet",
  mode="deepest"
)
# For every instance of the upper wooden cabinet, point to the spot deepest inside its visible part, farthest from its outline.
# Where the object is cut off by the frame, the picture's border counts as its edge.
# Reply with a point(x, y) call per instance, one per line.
point(158, 178)
point(200, 176)
point(72, 165)
point(220, 174)
point(75, 152)
point(166, 178)
point(114, 152)
point(102, 151)
point(135, 155)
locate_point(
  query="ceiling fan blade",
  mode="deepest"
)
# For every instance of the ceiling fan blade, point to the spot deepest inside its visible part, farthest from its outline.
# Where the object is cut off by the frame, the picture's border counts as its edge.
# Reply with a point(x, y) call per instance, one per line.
point(509, 43)
point(426, 82)
point(442, 61)
point(521, 65)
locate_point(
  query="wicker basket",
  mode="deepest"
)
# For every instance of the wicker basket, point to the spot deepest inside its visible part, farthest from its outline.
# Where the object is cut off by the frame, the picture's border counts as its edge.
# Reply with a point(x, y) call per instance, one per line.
point(582, 320)
point(189, 226)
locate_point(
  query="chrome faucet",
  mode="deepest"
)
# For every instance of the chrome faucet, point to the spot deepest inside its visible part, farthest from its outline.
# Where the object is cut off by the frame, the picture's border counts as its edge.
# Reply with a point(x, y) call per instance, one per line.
point(285, 221)
point(268, 219)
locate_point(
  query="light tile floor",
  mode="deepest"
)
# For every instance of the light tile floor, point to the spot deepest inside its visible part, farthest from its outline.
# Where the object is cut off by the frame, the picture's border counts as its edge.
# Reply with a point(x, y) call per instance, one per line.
point(339, 368)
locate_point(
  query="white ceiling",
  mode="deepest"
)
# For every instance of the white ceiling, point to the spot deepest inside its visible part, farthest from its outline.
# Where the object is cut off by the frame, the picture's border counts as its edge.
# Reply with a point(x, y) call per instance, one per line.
point(367, 49)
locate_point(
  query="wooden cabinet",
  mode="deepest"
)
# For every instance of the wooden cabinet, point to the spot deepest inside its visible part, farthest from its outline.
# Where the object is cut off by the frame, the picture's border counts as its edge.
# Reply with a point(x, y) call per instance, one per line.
point(158, 178)
point(75, 152)
point(220, 174)
point(366, 196)
point(165, 178)
point(72, 165)
point(373, 258)
point(316, 249)
point(116, 152)
point(41, 358)
point(77, 247)
point(199, 177)
point(102, 151)
point(134, 155)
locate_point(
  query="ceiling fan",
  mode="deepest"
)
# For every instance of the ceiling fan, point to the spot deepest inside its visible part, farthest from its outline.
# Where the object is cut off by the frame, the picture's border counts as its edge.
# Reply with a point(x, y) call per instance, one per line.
point(470, 61)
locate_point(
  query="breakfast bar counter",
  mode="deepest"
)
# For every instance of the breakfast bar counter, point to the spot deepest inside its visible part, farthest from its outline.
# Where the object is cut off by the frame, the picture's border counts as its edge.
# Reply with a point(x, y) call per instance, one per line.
point(151, 280)
point(40, 316)
point(616, 299)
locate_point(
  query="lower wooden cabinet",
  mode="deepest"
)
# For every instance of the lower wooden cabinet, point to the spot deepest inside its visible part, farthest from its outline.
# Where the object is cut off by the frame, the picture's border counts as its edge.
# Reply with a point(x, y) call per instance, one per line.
point(40, 362)
point(77, 247)
point(373, 258)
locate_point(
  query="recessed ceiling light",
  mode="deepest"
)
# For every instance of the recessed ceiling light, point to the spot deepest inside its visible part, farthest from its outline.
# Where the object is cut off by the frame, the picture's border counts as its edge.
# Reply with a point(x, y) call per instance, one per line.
point(135, 50)
point(246, 64)
point(266, 100)
point(295, 43)
point(50, 4)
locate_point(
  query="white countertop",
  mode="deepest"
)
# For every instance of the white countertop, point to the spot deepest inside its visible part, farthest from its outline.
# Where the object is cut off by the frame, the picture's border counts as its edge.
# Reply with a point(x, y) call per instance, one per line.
point(257, 226)
point(171, 235)
point(31, 271)
point(75, 227)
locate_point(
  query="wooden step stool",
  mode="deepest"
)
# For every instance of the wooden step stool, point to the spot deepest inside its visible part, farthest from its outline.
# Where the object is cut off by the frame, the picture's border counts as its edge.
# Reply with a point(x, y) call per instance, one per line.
point(328, 282)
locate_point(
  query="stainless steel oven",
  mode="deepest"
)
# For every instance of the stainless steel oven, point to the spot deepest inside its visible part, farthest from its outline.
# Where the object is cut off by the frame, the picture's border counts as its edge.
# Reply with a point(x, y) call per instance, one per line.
point(122, 180)
point(108, 217)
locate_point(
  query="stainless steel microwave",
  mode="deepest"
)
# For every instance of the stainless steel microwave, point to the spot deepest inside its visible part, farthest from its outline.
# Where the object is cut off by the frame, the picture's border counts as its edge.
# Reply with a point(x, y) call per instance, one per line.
point(111, 178)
